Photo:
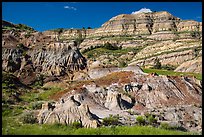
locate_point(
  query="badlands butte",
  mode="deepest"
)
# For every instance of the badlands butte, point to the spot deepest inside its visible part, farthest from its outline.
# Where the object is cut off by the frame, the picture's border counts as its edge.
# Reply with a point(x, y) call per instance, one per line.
point(100, 71)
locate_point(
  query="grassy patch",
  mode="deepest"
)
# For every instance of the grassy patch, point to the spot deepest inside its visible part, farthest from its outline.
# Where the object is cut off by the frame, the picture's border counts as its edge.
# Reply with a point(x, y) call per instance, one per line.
point(47, 93)
point(75, 85)
point(113, 54)
point(116, 53)
point(56, 129)
point(40, 95)
point(172, 73)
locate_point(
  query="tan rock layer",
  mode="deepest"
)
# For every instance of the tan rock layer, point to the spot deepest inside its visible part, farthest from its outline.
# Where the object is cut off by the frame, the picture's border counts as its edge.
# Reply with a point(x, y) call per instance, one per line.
point(136, 24)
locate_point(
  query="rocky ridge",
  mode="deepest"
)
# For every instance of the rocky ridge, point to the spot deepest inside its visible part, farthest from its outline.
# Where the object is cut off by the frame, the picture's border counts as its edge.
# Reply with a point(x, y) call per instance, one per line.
point(157, 25)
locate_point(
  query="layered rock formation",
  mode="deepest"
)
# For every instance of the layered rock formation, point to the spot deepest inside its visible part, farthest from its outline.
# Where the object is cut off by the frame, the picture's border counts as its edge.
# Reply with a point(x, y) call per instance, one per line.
point(144, 30)
point(174, 91)
point(191, 66)
point(168, 52)
point(159, 95)
point(156, 25)
point(142, 23)
point(57, 59)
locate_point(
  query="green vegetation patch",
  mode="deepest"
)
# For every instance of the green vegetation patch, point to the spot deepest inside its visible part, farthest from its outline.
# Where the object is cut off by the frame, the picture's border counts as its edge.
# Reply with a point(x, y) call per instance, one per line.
point(57, 129)
point(23, 27)
point(19, 27)
point(111, 120)
point(172, 73)
point(43, 94)
point(116, 53)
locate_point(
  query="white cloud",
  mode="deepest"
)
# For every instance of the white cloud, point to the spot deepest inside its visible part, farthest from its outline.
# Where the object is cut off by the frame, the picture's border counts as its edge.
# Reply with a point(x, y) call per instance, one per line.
point(70, 8)
point(142, 10)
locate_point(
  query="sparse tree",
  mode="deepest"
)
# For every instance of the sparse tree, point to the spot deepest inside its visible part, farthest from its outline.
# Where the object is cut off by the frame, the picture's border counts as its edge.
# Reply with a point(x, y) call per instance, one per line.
point(157, 64)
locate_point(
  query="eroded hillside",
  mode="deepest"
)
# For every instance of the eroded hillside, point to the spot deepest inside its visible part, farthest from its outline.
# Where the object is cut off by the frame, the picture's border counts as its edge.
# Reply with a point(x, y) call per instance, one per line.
point(99, 72)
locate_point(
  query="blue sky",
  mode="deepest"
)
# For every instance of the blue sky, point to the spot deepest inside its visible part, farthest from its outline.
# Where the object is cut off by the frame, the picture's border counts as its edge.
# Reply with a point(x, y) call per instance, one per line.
point(50, 15)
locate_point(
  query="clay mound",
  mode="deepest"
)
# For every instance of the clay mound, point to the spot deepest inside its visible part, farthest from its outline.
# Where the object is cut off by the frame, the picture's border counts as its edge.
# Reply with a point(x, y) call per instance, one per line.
point(160, 91)
point(101, 72)
point(95, 96)
point(114, 100)
point(66, 113)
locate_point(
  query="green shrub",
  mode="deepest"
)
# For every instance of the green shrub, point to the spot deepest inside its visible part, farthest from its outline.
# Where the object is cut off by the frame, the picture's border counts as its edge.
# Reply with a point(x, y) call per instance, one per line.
point(147, 115)
point(39, 80)
point(195, 34)
point(22, 49)
point(122, 64)
point(59, 30)
point(174, 39)
point(151, 120)
point(111, 120)
point(140, 120)
point(76, 124)
point(79, 39)
point(109, 46)
point(196, 51)
point(27, 35)
point(36, 105)
point(157, 64)
point(6, 109)
point(165, 125)
point(90, 56)
point(28, 117)
point(23, 27)
point(91, 48)
point(24, 53)
point(168, 67)
point(10, 86)
point(130, 112)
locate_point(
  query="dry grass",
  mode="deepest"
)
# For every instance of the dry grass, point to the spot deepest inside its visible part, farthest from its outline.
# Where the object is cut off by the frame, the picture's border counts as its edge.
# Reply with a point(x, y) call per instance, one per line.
point(77, 86)
point(115, 77)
